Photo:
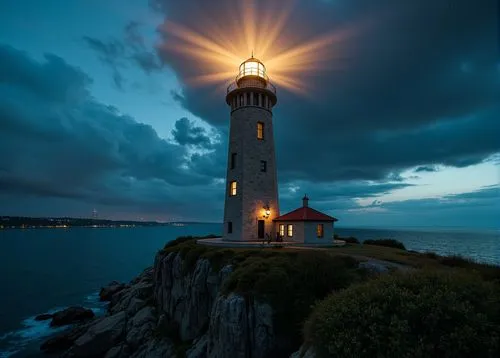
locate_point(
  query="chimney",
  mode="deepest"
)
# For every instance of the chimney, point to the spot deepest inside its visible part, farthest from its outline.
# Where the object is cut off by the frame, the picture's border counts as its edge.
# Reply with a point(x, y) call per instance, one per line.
point(305, 201)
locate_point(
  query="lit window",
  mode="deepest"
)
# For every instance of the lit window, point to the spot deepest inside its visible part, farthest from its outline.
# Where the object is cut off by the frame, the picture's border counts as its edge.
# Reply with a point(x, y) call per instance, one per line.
point(319, 230)
point(282, 230)
point(233, 160)
point(232, 189)
point(289, 230)
point(263, 166)
point(260, 130)
point(229, 227)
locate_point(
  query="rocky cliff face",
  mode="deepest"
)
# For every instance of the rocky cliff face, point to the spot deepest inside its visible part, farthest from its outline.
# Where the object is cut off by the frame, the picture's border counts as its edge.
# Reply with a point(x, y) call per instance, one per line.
point(223, 326)
point(171, 311)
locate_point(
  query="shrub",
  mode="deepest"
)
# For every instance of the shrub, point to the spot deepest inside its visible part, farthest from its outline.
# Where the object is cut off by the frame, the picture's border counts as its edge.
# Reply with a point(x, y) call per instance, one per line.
point(290, 282)
point(420, 314)
point(386, 242)
point(351, 240)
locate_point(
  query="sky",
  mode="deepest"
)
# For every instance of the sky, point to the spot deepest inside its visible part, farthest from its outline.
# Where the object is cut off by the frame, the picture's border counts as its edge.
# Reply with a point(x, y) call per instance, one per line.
point(388, 111)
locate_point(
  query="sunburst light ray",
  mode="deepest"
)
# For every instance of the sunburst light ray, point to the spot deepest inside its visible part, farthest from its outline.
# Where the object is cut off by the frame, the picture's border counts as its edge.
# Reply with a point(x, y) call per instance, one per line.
point(219, 44)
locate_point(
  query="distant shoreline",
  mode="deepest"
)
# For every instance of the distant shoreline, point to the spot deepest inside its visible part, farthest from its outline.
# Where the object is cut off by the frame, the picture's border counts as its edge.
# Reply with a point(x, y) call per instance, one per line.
point(19, 222)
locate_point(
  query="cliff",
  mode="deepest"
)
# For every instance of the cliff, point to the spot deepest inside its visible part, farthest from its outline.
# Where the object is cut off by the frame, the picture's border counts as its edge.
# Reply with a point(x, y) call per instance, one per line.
point(212, 302)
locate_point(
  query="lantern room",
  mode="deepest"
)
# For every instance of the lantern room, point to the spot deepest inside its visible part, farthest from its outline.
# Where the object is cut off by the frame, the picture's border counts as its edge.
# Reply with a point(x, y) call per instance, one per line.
point(252, 68)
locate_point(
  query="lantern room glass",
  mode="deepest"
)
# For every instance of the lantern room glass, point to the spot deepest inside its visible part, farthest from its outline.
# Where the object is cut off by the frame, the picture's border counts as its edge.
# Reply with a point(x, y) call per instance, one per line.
point(252, 67)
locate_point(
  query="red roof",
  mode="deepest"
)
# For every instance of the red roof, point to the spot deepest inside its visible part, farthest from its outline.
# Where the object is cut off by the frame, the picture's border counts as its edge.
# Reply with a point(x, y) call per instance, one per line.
point(305, 213)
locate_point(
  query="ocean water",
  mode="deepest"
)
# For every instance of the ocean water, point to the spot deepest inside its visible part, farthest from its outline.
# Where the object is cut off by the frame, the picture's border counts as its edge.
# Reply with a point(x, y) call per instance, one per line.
point(43, 270)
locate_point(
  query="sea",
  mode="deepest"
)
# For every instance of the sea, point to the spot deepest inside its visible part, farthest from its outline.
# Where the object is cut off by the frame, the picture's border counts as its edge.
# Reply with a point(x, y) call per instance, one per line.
point(43, 270)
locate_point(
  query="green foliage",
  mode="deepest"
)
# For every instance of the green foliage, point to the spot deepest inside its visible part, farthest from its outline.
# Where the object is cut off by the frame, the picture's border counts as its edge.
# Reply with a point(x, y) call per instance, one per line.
point(419, 314)
point(386, 242)
point(291, 282)
point(351, 240)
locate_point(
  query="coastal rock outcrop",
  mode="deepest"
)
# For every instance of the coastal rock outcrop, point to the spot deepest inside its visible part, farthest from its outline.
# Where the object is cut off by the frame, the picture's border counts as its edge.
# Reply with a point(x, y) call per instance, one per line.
point(71, 315)
point(171, 308)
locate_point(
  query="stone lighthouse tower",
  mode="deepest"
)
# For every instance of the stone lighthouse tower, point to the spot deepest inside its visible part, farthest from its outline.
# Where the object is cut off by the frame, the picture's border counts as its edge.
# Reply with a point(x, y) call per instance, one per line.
point(251, 201)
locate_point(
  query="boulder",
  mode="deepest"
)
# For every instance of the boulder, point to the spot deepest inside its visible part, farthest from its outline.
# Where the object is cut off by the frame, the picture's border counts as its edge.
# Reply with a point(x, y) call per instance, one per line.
point(199, 348)
point(140, 327)
point(107, 292)
point(44, 317)
point(64, 340)
point(71, 315)
point(100, 337)
point(155, 349)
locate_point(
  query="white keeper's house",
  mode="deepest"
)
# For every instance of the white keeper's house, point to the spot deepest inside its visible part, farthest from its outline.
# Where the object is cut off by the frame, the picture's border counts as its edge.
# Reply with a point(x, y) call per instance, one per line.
point(251, 209)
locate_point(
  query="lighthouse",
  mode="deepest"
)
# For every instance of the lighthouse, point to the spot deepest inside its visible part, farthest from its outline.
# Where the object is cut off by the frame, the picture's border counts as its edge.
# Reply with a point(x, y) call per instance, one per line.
point(251, 200)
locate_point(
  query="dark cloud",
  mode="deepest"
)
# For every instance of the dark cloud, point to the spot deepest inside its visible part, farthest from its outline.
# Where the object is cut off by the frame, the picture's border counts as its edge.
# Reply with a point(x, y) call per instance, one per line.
point(418, 86)
point(121, 53)
point(187, 133)
point(59, 143)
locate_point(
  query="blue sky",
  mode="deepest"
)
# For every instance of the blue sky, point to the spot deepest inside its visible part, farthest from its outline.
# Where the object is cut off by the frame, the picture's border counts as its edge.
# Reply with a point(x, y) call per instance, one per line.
point(96, 113)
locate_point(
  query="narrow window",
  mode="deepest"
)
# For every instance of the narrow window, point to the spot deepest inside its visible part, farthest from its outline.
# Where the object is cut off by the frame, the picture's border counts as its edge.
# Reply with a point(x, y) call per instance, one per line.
point(233, 160)
point(232, 188)
point(263, 166)
point(229, 227)
point(260, 130)
point(282, 230)
point(289, 230)
point(319, 230)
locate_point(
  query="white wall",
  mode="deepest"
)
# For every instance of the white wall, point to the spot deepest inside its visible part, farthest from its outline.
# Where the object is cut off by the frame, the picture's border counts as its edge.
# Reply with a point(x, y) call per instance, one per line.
point(311, 236)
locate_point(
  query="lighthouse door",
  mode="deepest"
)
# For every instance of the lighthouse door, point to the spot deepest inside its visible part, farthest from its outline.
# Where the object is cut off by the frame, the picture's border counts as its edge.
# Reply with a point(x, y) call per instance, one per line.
point(260, 229)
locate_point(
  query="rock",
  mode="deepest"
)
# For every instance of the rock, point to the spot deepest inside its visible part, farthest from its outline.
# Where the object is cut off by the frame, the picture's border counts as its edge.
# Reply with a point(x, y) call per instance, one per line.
point(187, 298)
point(100, 337)
point(120, 351)
point(64, 340)
point(44, 317)
point(155, 349)
point(107, 292)
point(124, 300)
point(71, 315)
point(140, 327)
point(199, 348)
point(304, 352)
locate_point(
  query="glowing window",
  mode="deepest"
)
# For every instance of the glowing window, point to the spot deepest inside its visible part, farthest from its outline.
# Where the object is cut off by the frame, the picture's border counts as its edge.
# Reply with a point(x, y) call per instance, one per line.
point(260, 130)
point(232, 188)
point(282, 230)
point(289, 230)
point(319, 230)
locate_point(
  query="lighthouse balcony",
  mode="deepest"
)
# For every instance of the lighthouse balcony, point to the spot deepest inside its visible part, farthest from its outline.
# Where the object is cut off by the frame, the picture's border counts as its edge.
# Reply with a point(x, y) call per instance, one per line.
point(251, 82)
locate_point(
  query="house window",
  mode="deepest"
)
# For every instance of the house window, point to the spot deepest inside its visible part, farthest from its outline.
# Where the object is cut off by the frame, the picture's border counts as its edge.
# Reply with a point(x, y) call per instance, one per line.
point(263, 166)
point(233, 160)
point(319, 230)
point(260, 130)
point(229, 227)
point(232, 188)
point(282, 230)
point(289, 230)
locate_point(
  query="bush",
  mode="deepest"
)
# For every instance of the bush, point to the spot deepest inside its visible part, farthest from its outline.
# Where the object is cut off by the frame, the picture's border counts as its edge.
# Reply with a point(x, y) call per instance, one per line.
point(386, 242)
point(420, 314)
point(351, 240)
point(290, 282)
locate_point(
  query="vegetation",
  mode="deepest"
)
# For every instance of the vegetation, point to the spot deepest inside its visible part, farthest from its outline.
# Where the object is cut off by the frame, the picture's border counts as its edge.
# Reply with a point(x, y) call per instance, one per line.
point(349, 240)
point(386, 242)
point(365, 316)
point(420, 314)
